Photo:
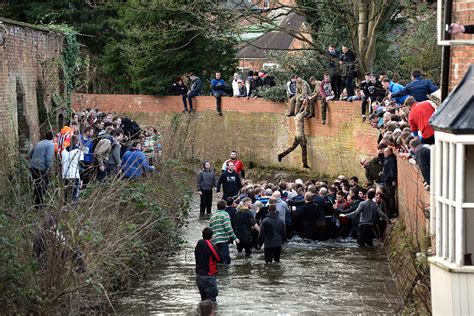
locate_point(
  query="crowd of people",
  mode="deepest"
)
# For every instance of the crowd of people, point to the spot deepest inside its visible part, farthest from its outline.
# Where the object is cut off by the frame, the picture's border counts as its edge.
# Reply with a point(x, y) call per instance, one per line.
point(253, 215)
point(190, 86)
point(264, 214)
point(93, 146)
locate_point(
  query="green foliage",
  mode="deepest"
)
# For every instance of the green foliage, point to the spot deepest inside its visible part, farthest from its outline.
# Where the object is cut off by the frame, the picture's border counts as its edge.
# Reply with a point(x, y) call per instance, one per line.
point(306, 64)
point(152, 49)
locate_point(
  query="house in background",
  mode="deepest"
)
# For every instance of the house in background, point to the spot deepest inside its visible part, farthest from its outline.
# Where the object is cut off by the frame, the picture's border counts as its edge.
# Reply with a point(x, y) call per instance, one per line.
point(253, 54)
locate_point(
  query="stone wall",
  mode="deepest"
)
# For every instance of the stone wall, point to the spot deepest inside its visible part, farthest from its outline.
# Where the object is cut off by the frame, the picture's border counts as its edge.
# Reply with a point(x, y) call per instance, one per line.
point(29, 70)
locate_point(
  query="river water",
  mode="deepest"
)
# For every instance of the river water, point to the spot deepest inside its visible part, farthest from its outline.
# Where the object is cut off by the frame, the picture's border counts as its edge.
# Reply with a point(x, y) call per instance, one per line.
point(333, 277)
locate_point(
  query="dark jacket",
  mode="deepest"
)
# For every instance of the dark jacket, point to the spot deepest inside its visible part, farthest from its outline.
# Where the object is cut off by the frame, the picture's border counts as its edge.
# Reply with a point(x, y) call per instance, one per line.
point(244, 221)
point(348, 64)
point(368, 211)
point(333, 63)
point(390, 170)
point(207, 255)
point(272, 231)
point(373, 171)
point(418, 88)
point(206, 180)
point(231, 211)
point(181, 90)
point(312, 216)
point(196, 86)
point(230, 182)
point(422, 157)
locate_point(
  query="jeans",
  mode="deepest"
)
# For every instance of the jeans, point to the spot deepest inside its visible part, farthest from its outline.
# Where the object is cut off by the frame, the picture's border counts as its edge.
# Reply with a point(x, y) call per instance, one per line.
point(40, 183)
point(190, 99)
point(245, 245)
point(207, 285)
point(184, 97)
point(298, 141)
point(349, 81)
point(365, 235)
point(336, 85)
point(218, 95)
point(223, 248)
point(206, 202)
point(272, 253)
point(71, 190)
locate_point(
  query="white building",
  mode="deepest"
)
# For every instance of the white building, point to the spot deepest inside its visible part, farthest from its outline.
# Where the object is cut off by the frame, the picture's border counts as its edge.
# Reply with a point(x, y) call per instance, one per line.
point(452, 202)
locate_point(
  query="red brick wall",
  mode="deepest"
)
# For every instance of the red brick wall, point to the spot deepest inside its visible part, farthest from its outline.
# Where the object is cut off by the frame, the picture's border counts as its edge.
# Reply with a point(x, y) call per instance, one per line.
point(258, 130)
point(28, 56)
point(413, 199)
point(461, 56)
point(333, 148)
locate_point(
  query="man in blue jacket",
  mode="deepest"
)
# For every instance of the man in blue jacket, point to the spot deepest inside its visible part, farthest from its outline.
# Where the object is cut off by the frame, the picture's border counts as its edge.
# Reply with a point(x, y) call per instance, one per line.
point(393, 87)
point(419, 88)
point(134, 162)
point(218, 90)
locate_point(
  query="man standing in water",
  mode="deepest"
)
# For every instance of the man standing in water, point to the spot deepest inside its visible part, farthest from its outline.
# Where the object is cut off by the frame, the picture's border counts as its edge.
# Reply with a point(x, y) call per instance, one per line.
point(223, 232)
point(272, 235)
point(230, 181)
point(206, 181)
point(300, 138)
point(367, 212)
point(207, 256)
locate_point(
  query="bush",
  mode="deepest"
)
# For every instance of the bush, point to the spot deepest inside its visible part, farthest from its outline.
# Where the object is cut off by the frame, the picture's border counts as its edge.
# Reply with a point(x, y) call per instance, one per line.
point(119, 228)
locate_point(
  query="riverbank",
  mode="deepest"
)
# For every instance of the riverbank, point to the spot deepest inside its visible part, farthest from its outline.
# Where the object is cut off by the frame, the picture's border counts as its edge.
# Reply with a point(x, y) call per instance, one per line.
point(104, 244)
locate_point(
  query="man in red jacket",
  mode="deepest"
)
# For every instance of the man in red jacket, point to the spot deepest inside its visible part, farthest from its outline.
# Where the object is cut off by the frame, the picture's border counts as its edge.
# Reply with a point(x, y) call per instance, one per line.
point(207, 255)
point(239, 165)
point(419, 119)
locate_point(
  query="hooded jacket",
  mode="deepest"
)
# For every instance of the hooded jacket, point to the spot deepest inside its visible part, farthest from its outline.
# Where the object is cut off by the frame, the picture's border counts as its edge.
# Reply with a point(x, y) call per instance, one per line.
point(102, 149)
point(63, 139)
point(133, 164)
point(206, 179)
point(272, 231)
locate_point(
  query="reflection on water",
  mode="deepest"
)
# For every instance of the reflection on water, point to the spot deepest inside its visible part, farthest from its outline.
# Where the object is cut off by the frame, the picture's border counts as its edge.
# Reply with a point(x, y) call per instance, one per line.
point(334, 277)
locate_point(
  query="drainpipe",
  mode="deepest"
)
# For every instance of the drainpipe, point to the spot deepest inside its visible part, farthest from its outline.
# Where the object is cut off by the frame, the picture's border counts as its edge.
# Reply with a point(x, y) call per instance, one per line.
point(446, 51)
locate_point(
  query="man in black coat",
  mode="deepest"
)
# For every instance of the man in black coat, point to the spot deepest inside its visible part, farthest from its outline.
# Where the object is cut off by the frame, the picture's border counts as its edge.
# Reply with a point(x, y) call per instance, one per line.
point(230, 181)
point(313, 218)
point(390, 180)
point(272, 235)
point(348, 69)
point(422, 158)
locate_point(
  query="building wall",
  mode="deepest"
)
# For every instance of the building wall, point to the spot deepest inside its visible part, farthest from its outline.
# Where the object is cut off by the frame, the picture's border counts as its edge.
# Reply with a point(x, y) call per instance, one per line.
point(463, 55)
point(28, 69)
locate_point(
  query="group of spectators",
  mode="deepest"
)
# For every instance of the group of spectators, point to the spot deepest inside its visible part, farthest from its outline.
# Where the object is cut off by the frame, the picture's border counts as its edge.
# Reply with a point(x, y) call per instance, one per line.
point(190, 86)
point(93, 146)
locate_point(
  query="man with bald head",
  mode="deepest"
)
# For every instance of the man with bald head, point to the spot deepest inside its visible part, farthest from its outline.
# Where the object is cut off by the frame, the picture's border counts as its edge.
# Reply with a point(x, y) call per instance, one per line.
point(281, 206)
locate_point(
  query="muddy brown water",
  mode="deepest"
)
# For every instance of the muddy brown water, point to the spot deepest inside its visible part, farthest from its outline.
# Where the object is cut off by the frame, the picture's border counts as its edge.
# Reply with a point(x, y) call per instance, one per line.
point(332, 277)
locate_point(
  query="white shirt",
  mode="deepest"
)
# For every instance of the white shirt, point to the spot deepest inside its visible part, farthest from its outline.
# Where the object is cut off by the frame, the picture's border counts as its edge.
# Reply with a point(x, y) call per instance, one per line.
point(70, 161)
point(235, 88)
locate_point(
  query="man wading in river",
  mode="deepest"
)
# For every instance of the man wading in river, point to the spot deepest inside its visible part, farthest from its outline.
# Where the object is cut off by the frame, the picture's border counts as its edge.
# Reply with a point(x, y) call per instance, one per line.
point(207, 256)
point(223, 232)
